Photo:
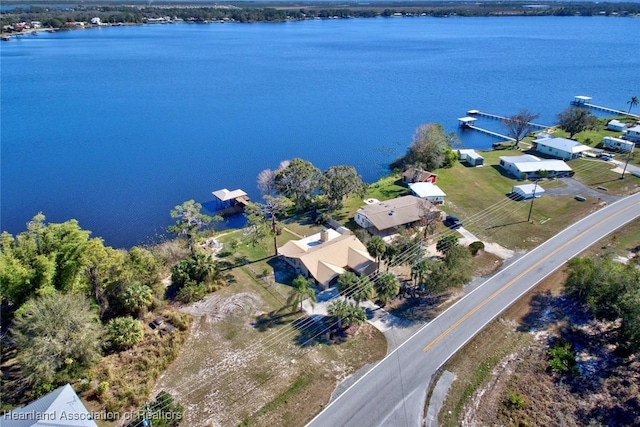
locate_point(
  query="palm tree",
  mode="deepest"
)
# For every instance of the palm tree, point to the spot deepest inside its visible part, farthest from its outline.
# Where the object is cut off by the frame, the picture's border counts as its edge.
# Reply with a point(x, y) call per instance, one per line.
point(347, 313)
point(387, 287)
point(137, 297)
point(376, 248)
point(419, 271)
point(301, 291)
point(632, 103)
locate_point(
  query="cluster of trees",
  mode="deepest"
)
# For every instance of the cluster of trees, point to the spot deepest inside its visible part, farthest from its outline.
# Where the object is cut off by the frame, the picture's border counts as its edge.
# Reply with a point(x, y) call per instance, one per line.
point(194, 277)
point(67, 298)
point(299, 184)
point(430, 149)
point(611, 290)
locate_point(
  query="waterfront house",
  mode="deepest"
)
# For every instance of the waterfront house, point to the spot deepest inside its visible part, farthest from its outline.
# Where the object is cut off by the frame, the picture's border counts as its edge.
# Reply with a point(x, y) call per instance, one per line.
point(428, 191)
point(561, 148)
point(61, 408)
point(418, 175)
point(387, 217)
point(470, 157)
point(527, 191)
point(617, 144)
point(326, 255)
point(632, 134)
point(529, 165)
point(616, 126)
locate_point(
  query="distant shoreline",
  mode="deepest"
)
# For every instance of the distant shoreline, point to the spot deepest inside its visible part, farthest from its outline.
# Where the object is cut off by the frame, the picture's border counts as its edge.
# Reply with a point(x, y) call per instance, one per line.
point(60, 16)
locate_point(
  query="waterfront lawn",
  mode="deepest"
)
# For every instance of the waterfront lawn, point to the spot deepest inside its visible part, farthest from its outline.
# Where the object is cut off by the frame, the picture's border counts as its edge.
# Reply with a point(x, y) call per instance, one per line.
point(478, 196)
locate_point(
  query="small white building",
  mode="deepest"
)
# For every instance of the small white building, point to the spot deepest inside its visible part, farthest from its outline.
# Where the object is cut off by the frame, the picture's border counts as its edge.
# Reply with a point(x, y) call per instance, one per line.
point(428, 191)
point(632, 134)
point(471, 157)
point(96, 21)
point(616, 126)
point(527, 191)
point(562, 148)
point(530, 165)
point(617, 144)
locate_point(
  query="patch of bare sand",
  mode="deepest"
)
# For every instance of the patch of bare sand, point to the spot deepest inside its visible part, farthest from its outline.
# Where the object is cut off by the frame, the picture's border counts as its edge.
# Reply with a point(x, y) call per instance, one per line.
point(485, 403)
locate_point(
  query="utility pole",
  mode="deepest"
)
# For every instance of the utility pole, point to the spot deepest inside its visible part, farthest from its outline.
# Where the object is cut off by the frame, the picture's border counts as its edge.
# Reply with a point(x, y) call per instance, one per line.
point(535, 187)
point(627, 162)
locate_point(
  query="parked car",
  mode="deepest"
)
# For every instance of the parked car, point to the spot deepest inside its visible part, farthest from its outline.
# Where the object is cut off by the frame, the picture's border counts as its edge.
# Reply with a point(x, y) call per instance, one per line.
point(452, 222)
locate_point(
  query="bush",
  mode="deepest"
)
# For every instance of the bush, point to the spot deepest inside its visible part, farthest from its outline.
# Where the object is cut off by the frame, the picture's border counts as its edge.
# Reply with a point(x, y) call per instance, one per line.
point(561, 357)
point(515, 401)
point(125, 332)
point(476, 247)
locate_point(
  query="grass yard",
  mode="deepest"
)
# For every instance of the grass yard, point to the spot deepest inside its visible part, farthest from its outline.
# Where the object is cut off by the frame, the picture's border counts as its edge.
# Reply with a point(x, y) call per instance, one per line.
point(482, 205)
point(596, 173)
point(231, 371)
point(388, 187)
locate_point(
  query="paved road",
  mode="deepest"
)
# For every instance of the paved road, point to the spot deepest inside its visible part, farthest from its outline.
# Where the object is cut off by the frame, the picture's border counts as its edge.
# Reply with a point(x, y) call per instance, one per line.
point(393, 392)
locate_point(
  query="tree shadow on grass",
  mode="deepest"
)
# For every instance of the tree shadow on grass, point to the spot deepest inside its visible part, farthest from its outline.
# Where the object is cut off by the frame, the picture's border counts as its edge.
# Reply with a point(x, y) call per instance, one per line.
point(266, 321)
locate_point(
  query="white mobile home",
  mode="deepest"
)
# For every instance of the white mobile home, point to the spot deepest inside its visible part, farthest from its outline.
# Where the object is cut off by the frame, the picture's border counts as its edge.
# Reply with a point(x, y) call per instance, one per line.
point(428, 191)
point(632, 134)
point(527, 191)
point(617, 144)
point(562, 148)
point(616, 126)
point(531, 166)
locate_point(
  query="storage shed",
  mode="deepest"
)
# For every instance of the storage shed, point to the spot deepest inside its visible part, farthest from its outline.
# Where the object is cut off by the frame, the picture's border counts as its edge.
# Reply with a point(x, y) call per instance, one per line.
point(527, 191)
point(470, 157)
point(616, 126)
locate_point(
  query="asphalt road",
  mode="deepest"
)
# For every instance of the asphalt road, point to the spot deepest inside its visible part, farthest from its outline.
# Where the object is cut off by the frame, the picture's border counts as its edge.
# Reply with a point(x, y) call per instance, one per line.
point(393, 392)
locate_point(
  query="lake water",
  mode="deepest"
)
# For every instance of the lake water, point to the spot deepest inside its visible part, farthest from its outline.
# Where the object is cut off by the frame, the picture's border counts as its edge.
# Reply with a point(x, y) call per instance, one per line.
point(115, 126)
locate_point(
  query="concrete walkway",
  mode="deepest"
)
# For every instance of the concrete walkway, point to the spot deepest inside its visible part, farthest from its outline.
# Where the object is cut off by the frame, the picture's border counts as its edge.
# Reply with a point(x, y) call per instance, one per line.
point(437, 398)
point(395, 329)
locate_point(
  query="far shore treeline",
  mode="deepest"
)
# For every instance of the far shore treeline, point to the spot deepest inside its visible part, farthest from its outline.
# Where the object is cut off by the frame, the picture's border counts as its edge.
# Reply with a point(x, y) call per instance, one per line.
point(62, 15)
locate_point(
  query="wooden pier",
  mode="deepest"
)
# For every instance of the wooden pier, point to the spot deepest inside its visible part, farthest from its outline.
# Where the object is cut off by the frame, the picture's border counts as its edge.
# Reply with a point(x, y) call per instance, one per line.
point(468, 123)
point(585, 101)
point(502, 118)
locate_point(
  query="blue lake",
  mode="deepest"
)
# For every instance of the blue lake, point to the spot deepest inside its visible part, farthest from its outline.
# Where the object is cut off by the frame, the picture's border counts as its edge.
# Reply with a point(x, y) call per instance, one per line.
point(115, 126)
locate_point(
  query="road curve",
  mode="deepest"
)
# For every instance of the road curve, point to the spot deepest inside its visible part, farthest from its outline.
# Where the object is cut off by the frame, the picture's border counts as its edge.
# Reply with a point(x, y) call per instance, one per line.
point(393, 392)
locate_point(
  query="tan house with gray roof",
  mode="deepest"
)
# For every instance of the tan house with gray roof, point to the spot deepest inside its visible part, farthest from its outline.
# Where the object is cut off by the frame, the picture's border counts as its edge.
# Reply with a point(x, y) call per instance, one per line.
point(326, 255)
point(386, 218)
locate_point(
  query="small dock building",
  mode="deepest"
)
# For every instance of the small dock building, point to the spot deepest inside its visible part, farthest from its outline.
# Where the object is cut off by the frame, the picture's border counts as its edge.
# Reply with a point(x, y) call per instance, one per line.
point(230, 202)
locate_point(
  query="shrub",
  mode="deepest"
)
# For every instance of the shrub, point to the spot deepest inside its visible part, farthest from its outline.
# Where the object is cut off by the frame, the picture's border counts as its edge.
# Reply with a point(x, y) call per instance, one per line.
point(476, 247)
point(561, 357)
point(515, 401)
point(125, 331)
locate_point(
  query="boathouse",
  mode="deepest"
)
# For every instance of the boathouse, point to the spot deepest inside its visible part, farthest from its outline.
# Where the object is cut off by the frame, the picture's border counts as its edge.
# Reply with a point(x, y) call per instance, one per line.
point(230, 202)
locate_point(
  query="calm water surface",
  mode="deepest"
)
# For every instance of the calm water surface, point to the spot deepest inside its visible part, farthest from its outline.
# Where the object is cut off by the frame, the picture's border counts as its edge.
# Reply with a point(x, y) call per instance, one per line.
point(115, 126)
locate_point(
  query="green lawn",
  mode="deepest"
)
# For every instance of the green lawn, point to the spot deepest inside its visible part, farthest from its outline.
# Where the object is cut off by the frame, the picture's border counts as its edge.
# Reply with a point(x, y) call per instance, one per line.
point(478, 196)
